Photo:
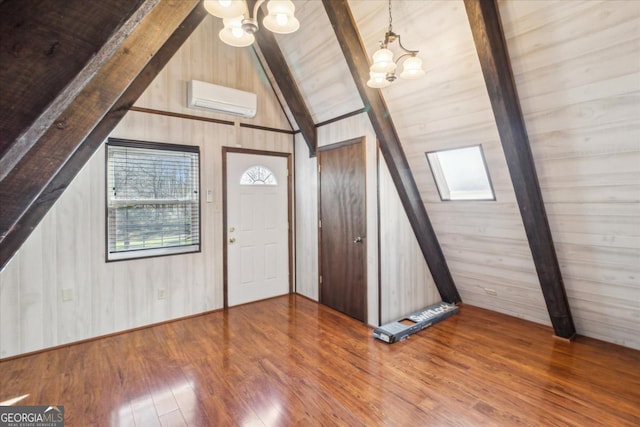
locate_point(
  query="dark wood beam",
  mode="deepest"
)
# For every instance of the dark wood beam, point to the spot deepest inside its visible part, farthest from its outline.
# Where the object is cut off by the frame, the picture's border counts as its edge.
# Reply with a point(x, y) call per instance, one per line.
point(487, 32)
point(43, 174)
point(268, 51)
point(50, 51)
point(391, 148)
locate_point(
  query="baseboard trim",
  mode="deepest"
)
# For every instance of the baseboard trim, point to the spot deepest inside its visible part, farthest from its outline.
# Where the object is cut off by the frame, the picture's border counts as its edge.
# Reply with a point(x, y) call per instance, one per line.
point(113, 334)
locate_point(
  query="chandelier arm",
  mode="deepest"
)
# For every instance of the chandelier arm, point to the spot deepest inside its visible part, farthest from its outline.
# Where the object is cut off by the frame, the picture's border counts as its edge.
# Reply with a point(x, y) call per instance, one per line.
point(256, 7)
point(408, 51)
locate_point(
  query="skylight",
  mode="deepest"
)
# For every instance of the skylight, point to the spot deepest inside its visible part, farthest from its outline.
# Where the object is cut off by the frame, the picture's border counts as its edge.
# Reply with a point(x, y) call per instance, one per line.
point(461, 174)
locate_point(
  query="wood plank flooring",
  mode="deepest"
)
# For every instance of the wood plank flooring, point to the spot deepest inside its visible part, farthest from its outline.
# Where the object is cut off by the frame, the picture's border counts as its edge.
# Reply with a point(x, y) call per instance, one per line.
point(289, 361)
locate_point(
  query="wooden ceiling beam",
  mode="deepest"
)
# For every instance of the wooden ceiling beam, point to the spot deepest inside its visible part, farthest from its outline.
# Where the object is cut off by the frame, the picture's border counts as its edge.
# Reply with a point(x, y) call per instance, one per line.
point(268, 51)
point(53, 50)
point(391, 148)
point(486, 27)
point(33, 186)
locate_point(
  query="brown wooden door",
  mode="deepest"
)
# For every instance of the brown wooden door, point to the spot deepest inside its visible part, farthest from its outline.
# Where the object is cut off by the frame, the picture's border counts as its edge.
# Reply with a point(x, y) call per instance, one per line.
point(343, 251)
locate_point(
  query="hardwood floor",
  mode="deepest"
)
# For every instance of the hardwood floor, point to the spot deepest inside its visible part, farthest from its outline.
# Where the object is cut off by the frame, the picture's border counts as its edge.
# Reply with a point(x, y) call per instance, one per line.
point(290, 361)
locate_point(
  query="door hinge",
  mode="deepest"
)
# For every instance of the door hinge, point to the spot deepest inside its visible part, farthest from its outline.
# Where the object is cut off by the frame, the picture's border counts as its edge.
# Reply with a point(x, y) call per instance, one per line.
point(319, 223)
point(321, 279)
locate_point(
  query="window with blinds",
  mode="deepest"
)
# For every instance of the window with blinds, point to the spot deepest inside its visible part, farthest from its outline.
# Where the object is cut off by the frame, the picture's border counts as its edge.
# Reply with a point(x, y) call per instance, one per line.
point(153, 199)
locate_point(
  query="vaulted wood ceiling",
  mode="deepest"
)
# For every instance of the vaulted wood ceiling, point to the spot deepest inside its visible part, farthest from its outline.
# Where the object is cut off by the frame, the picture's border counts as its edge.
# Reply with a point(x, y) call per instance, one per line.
point(83, 76)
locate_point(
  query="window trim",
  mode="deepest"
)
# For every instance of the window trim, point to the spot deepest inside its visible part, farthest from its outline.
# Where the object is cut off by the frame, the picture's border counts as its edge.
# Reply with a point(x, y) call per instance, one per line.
point(136, 254)
point(435, 173)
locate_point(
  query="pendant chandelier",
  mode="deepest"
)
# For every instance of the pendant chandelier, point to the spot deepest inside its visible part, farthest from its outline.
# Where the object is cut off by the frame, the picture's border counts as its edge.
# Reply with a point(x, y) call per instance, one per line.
point(383, 70)
point(239, 25)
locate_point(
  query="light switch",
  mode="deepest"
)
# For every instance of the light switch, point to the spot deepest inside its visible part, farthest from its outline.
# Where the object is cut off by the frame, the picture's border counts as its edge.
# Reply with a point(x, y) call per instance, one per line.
point(209, 196)
point(67, 294)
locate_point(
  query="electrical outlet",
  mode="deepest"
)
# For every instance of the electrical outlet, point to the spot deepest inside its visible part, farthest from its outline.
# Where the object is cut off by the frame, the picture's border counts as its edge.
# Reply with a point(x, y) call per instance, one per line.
point(491, 292)
point(162, 294)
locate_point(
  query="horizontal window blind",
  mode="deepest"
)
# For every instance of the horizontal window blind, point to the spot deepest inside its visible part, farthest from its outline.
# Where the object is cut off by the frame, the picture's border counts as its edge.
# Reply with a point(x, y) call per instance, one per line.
point(153, 199)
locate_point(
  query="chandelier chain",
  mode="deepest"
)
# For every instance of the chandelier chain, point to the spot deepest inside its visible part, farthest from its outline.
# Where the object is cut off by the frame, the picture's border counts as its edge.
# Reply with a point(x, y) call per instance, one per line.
point(383, 70)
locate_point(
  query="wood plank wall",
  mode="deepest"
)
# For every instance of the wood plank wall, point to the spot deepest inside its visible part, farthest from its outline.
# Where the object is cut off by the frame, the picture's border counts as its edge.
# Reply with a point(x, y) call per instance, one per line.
point(406, 284)
point(204, 57)
point(67, 249)
point(484, 243)
point(577, 71)
point(306, 218)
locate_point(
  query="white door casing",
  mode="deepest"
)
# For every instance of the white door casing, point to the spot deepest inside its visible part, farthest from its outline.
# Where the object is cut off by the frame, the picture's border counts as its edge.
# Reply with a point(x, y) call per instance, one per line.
point(257, 227)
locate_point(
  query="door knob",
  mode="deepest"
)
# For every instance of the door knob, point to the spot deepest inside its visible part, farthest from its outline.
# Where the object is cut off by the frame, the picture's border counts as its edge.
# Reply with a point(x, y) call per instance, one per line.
point(232, 240)
point(357, 239)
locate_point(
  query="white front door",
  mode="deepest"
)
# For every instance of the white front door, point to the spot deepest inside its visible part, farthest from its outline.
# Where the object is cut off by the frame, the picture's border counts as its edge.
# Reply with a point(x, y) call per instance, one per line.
point(257, 227)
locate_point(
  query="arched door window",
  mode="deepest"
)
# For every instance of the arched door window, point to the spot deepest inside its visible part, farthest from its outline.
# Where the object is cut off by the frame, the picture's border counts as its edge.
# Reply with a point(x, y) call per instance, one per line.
point(258, 175)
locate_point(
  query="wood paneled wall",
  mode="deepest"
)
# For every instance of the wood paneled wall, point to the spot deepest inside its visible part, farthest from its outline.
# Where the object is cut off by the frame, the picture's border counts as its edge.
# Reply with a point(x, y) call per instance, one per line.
point(66, 252)
point(577, 71)
point(306, 218)
point(406, 284)
point(204, 57)
point(484, 243)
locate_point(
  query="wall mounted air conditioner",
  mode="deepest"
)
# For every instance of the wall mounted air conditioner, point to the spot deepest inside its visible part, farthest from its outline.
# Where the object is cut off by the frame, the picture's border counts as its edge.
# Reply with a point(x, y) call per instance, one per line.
point(221, 99)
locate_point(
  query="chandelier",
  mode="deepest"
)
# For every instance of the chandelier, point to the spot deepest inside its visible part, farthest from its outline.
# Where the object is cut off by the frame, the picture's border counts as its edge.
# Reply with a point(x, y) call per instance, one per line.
point(383, 70)
point(239, 25)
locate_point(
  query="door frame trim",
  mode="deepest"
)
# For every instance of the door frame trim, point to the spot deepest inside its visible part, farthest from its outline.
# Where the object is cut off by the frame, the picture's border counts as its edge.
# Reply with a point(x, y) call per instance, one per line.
point(225, 266)
point(363, 141)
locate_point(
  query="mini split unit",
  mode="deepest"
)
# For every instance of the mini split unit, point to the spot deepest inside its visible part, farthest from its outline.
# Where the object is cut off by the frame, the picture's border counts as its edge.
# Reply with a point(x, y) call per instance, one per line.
point(220, 99)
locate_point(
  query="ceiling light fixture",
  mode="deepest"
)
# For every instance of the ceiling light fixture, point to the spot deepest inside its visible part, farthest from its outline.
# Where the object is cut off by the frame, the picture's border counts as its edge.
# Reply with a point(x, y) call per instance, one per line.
point(383, 70)
point(240, 26)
